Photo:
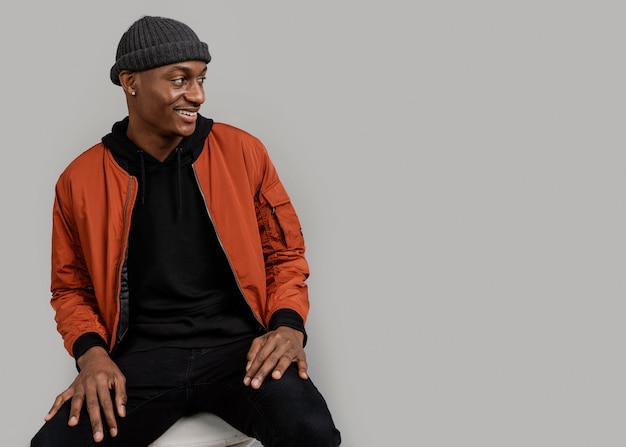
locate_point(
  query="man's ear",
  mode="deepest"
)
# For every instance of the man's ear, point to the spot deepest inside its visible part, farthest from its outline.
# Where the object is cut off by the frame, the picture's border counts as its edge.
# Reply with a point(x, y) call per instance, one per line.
point(128, 81)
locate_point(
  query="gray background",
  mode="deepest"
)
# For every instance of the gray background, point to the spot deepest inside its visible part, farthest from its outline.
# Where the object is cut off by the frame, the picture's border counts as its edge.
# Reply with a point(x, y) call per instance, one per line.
point(458, 168)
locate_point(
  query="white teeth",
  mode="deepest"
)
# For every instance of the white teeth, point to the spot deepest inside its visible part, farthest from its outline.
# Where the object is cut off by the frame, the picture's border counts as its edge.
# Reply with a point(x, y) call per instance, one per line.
point(184, 112)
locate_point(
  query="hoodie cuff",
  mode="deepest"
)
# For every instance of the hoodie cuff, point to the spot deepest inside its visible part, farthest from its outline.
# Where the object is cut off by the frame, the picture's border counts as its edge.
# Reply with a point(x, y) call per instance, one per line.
point(289, 318)
point(87, 341)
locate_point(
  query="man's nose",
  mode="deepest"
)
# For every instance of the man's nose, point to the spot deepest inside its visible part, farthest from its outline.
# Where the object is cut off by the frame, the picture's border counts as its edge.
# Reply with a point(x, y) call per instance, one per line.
point(195, 93)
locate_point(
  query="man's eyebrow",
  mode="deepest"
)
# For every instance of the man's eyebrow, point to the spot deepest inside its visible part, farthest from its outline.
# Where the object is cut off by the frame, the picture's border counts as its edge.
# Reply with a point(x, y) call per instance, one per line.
point(186, 69)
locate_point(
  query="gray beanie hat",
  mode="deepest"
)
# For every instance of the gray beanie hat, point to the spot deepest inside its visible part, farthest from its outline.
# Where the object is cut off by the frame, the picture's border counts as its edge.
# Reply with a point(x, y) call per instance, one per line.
point(152, 42)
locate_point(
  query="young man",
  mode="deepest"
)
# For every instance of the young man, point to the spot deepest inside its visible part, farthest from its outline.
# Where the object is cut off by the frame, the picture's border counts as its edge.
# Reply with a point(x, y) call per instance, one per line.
point(178, 269)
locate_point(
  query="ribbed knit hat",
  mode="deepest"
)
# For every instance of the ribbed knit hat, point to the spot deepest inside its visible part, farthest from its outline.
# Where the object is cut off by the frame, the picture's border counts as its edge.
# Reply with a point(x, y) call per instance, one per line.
point(152, 42)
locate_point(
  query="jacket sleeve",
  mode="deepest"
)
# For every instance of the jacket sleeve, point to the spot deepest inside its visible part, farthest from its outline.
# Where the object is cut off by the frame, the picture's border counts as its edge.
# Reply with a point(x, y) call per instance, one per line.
point(283, 250)
point(73, 298)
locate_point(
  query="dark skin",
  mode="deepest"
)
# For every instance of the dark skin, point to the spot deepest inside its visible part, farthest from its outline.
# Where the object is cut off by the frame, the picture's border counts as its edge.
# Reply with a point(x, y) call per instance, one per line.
point(162, 107)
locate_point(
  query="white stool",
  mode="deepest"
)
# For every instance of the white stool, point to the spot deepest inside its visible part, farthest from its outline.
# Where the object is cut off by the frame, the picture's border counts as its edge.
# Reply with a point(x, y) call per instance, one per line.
point(203, 430)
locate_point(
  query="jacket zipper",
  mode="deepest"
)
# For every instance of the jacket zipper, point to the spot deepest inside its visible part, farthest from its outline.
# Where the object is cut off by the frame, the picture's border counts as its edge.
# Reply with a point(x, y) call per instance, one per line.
point(119, 336)
point(219, 239)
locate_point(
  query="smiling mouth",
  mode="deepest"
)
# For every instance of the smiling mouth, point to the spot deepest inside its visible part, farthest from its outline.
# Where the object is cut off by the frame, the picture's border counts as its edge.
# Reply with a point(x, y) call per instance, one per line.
point(186, 113)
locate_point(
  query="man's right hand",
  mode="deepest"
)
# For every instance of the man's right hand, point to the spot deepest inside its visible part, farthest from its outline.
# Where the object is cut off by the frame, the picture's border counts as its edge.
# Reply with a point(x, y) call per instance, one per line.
point(92, 388)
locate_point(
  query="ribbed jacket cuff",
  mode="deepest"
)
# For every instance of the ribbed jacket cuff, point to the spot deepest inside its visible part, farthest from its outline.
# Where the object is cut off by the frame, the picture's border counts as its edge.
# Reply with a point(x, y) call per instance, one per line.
point(289, 318)
point(86, 341)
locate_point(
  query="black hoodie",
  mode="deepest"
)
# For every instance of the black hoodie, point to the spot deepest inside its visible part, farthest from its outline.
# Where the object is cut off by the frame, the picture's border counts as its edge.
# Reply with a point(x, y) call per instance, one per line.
point(182, 292)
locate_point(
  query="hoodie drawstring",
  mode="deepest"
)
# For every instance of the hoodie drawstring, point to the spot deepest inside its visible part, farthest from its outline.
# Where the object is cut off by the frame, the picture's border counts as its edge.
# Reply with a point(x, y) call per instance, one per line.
point(179, 190)
point(142, 173)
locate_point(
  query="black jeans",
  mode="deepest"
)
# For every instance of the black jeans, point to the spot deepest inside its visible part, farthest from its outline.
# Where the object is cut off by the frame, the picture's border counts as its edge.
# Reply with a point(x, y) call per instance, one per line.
point(164, 384)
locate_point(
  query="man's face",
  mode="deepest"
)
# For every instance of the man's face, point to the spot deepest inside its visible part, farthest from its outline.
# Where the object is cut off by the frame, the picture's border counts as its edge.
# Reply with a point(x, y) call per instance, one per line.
point(168, 99)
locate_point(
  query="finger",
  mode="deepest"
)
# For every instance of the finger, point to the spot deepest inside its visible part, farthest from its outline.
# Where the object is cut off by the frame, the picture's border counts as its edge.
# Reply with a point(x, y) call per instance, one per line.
point(93, 409)
point(263, 363)
point(58, 403)
point(120, 396)
point(258, 379)
point(255, 347)
point(268, 365)
point(107, 409)
point(303, 368)
point(253, 369)
point(75, 408)
point(284, 363)
point(255, 359)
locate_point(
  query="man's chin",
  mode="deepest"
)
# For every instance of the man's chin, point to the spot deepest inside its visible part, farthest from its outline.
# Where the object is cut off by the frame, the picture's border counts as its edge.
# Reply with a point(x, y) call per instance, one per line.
point(187, 130)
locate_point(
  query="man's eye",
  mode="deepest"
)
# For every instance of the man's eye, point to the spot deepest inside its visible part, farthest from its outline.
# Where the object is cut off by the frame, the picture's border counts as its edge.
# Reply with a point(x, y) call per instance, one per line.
point(201, 80)
point(178, 81)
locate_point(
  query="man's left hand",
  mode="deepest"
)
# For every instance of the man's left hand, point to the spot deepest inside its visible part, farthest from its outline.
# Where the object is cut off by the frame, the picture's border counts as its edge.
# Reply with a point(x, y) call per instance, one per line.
point(272, 353)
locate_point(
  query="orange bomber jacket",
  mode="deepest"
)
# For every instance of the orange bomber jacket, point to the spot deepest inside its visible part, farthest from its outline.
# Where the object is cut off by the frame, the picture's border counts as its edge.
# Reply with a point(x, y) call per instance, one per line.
point(248, 205)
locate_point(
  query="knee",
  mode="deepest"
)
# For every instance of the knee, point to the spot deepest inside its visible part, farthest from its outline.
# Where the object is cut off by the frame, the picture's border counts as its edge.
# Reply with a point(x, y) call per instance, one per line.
point(309, 433)
point(39, 441)
point(56, 433)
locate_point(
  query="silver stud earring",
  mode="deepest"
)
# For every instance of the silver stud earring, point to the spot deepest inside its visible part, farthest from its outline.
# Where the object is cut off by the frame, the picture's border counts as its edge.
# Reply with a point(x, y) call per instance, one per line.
point(132, 92)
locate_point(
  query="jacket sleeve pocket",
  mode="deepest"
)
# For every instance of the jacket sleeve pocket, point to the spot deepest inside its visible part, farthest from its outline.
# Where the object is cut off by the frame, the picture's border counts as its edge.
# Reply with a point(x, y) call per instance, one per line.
point(281, 221)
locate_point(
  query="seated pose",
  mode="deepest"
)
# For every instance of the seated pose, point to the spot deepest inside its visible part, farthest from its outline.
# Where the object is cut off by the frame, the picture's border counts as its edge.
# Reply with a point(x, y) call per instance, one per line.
point(178, 269)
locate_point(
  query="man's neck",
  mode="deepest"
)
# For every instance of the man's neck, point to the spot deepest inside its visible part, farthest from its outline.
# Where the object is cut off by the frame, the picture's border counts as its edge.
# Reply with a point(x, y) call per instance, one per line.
point(156, 145)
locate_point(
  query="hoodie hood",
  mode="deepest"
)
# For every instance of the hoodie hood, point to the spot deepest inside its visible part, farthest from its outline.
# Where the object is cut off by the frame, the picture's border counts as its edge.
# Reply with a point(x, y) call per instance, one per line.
point(126, 153)
point(137, 162)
